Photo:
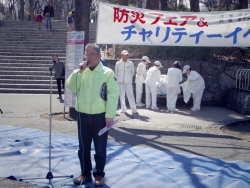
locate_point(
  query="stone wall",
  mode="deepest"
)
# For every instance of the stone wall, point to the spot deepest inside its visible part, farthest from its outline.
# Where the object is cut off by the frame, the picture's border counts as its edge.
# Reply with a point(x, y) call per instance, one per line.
point(238, 101)
point(219, 77)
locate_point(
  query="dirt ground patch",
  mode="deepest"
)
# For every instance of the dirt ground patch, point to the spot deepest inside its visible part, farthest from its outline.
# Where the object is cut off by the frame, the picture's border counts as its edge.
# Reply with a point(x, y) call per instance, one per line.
point(239, 130)
point(58, 116)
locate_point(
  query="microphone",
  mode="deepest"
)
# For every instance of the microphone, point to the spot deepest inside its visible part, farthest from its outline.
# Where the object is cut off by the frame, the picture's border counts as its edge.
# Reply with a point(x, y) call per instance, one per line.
point(51, 68)
point(81, 67)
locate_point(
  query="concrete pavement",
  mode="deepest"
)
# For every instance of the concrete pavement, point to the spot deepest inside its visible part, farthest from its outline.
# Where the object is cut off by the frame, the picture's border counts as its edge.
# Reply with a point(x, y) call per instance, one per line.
point(185, 131)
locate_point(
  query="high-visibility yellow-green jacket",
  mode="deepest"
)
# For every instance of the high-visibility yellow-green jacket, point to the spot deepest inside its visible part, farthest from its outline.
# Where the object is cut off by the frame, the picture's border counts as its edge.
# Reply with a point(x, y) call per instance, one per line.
point(88, 86)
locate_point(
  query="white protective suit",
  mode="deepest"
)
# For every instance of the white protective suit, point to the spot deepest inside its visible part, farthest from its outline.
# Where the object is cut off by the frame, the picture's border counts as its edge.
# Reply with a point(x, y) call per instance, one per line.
point(124, 72)
point(161, 86)
point(194, 85)
point(141, 74)
point(174, 77)
point(153, 76)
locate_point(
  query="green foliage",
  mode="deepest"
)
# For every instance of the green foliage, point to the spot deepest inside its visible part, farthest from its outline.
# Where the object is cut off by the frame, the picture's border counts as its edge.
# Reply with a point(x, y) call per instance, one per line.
point(170, 8)
point(93, 14)
point(112, 1)
point(182, 7)
point(133, 2)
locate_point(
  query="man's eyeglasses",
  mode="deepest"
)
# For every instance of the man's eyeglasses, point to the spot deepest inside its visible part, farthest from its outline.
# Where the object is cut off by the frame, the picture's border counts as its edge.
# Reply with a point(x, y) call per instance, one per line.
point(90, 55)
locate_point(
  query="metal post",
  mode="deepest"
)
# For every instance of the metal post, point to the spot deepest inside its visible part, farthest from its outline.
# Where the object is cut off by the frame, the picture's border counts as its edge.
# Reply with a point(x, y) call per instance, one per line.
point(113, 51)
point(50, 121)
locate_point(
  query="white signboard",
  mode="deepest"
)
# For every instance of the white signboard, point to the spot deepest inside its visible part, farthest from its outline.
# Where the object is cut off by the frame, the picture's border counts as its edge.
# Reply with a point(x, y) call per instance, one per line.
point(135, 26)
point(74, 56)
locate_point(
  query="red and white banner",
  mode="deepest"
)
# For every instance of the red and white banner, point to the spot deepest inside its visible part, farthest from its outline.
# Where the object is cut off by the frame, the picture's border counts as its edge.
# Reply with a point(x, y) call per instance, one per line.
point(135, 26)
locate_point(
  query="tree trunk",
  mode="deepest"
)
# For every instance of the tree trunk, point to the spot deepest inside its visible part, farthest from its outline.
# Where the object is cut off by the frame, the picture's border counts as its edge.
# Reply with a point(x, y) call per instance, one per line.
point(123, 2)
point(147, 4)
point(152, 4)
point(226, 7)
point(32, 17)
point(139, 3)
point(175, 5)
point(21, 10)
point(164, 5)
point(243, 4)
point(194, 6)
point(82, 17)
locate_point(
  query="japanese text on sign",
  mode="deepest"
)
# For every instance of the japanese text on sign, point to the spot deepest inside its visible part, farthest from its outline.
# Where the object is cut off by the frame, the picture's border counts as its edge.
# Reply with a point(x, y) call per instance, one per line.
point(136, 26)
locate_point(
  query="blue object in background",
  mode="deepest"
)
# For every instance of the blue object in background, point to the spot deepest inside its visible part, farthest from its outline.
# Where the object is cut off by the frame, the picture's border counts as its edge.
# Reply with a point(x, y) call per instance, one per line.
point(104, 62)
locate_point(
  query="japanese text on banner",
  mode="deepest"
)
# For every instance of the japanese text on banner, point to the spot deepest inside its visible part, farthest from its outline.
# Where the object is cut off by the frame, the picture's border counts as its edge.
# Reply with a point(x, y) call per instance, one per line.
point(126, 25)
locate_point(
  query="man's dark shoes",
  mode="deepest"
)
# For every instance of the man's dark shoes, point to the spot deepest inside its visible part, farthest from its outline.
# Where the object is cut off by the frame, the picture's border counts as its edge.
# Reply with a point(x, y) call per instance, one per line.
point(99, 181)
point(82, 179)
point(60, 97)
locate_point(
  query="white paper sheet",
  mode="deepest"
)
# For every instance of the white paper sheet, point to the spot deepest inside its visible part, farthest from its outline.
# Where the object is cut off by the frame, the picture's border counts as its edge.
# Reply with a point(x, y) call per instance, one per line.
point(103, 130)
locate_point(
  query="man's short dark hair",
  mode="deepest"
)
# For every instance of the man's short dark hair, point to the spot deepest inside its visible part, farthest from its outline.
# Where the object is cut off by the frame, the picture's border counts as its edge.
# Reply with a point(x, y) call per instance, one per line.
point(94, 46)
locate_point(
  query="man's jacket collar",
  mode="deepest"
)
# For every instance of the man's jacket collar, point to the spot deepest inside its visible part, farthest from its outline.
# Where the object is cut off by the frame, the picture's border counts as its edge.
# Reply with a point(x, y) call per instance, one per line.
point(98, 68)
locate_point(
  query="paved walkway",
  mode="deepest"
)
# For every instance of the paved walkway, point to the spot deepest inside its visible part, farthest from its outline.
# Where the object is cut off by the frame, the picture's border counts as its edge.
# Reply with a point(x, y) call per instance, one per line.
point(189, 132)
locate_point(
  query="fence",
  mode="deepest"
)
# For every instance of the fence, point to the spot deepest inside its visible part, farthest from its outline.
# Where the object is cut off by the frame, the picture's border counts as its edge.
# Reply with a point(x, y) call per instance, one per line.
point(243, 79)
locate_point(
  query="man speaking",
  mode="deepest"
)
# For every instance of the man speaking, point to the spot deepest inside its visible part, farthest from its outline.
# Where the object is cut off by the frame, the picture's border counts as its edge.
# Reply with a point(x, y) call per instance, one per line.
point(97, 99)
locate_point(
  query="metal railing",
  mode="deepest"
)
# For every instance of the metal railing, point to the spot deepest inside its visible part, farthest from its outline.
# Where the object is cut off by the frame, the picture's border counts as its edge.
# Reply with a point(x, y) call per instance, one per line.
point(243, 79)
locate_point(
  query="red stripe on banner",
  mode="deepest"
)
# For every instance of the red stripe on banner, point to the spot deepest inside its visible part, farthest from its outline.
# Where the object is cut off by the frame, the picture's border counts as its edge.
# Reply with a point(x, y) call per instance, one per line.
point(75, 42)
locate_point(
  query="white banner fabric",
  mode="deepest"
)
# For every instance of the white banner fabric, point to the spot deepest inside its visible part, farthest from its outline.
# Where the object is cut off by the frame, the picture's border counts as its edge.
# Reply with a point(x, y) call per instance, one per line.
point(74, 56)
point(134, 26)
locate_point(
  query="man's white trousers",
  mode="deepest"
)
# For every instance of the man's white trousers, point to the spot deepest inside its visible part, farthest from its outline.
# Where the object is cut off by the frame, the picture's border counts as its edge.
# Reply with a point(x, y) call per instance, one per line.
point(172, 94)
point(151, 94)
point(139, 91)
point(197, 99)
point(128, 89)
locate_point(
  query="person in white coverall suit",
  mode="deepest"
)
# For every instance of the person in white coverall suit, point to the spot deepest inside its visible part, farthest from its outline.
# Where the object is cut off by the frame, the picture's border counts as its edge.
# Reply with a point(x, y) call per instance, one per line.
point(141, 74)
point(153, 76)
point(124, 71)
point(174, 77)
point(195, 85)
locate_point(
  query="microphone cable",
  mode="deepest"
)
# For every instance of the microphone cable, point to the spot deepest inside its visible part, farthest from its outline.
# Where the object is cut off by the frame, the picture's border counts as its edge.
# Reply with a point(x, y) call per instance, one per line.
point(80, 123)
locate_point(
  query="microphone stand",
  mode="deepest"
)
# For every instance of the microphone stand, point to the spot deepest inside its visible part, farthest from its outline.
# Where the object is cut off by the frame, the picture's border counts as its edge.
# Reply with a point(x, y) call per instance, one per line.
point(49, 175)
